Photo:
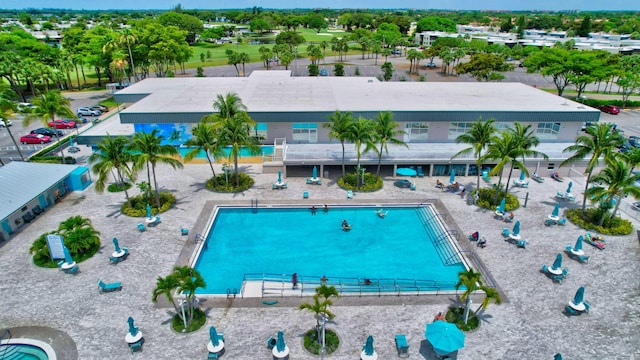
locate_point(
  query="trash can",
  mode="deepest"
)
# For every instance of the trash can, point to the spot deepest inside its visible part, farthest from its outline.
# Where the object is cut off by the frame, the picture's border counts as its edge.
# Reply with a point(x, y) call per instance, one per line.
point(326, 174)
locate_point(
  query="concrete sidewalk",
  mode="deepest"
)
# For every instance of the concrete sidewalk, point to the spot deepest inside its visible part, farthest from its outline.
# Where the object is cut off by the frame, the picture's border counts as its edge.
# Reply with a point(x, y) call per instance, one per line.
point(528, 325)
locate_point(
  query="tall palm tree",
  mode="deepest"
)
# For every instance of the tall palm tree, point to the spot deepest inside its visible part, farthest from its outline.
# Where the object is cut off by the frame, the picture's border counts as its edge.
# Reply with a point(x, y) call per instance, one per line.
point(386, 131)
point(600, 141)
point(479, 137)
point(339, 126)
point(166, 286)
point(503, 148)
point(526, 139)
point(362, 134)
point(631, 156)
point(189, 281)
point(234, 126)
point(620, 182)
point(318, 308)
point(205, 137)
point(490, 294)
point(46, 107)
point(471, 281)
point(8, 111)
point(128, 38)
point(112, 155)
point(148, 151)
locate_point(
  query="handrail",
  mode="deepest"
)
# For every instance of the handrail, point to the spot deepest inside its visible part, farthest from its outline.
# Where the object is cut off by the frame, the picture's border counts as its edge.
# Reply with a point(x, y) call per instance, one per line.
point(4, 333)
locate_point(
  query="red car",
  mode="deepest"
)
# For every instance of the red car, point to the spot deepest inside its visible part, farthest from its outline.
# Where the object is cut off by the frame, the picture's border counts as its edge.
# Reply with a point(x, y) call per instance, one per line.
point(62, 124)
point(610, 109)
point(35, 139)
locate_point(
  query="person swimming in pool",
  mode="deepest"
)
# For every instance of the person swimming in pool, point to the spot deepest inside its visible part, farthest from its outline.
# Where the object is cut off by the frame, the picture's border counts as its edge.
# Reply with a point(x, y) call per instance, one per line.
point(345, 225)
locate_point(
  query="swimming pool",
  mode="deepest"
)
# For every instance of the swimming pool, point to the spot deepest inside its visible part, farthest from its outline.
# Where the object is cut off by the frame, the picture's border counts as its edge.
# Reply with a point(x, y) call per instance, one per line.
point(409, 244)
point(266, 150)
point(26, 349)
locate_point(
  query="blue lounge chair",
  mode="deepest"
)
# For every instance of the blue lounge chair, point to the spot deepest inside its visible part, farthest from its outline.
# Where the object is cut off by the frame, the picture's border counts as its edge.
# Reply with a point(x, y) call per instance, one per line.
point(141, 227)
point(412, 186)
point(581, 258)
point(271, 342)
point(401, 346)
point(505, 232)
point(549, 222)
point(562, 221)
point(522, 244)
point(184, 231)
point(305, 195)
point(349, 194)
point(420, 173)
point(115, 286)
point(485, 176)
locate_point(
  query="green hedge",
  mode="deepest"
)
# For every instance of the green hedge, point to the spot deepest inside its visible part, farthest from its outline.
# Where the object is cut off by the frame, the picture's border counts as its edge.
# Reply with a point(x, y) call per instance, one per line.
point(138, 206)
point(590, 219)
point(618, 102)
point(53, 159)
point(372, 182)
point(491, 197)
point(219, 183)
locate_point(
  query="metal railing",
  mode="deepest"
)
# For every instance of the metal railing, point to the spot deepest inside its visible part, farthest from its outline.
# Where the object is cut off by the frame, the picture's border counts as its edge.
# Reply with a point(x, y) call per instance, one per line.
point(7, 352)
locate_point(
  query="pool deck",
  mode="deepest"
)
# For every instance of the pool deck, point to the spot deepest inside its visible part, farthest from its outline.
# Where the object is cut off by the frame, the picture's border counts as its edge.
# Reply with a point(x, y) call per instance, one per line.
point(528, 325)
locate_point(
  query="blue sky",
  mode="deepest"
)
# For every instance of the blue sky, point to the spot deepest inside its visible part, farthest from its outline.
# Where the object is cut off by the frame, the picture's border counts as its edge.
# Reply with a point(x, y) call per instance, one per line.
point(335, 4)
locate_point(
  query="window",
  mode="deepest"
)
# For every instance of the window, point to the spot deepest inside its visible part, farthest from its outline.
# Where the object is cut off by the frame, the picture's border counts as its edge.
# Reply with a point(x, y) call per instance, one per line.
point(417, 131)
point(503, 125)
point(458, 128)
point(548, 131)
point(261, 131)
point(305, 132)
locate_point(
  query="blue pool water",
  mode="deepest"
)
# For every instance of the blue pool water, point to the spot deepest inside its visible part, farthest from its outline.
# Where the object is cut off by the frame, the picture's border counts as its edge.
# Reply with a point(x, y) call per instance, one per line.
point(22, 352)
point(266, 150)
point(288, 240)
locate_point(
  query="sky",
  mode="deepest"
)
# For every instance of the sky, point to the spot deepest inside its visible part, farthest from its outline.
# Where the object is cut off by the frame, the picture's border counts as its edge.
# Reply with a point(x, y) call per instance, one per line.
point(585, 5)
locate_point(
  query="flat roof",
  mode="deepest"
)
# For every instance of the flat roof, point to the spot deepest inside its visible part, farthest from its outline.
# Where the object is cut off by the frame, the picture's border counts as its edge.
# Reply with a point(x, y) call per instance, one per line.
point(23, 181)
point(278, 91)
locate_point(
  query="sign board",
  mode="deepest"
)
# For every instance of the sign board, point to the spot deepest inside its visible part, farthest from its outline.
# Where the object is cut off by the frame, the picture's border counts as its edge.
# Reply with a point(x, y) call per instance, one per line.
point(56, 245)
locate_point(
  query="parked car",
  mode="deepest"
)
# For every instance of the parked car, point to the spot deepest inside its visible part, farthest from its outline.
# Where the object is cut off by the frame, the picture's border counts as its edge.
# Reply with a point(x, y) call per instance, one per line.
point(610, 109)
point(6, 123)
point(636, 206)
point(25, 106)
point(323, 72)
point(396, 52)
point(404, 183)
point(430, 65)
point(634, 141)
point(85, 111)
point(63, 124)
point(101, 108)
point(35, 139)
point(47, 132)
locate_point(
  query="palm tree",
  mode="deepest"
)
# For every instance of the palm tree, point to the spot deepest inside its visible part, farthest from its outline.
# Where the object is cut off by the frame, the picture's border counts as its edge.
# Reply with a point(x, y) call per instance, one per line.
point(631, 156)
point(190, 280)
point(46, 107)
point(620, 182)
point(600, 141)
point(112, 155)
point(385, 131)
point(327, 291)
point(7, 111)
point(339, 126)
point(148, 150)
point(78, 234)
point(321, 308)
point(129, 38)
point(234, 128)
point(205, 137)
point(490, 294)
point(525, 139)
point(166, 286)
point(479, 136)
point(361, 133)
point(503, 148)
point(471, 281)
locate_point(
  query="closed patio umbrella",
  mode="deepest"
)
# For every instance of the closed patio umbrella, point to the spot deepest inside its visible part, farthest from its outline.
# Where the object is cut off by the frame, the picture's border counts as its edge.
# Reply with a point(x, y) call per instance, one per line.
point(280, 345)
point(556, 210)
point(117, 246)
point(522, 175)
point(557, 264)
point(516, 228)
point(569, 187)
point(578, 246)
point(444, 337)
point(279, 176)
point(368, 346)
point(67, 255)
point(213, 336)
point(502, 205)
point(314, 173)
point(148, 211)
point(452, 176)
point(579, 297)
point(133, 330)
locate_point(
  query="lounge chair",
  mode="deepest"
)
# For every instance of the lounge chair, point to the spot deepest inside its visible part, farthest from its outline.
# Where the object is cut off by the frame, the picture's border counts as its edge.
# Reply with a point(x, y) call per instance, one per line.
point(401, 346)
point(570, 311)
point(115, 286)
point(522, 243)
point(505, 232)
point(184, 231)
point(549, 222)
point(28, 217)
point(305, 195)
point(141, 227)
point(581, 258)
point(271, 342)
point(562, 221)
point(412, 186)
point(555, 176)
point(37, 210)
point(349, 194)
point(136, 346)
point(597, 242)
point(537, 178)
point(419, 170)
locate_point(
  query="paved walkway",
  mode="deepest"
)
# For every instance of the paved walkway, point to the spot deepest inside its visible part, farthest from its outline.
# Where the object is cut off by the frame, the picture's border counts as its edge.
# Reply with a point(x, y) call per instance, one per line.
point(528, 325)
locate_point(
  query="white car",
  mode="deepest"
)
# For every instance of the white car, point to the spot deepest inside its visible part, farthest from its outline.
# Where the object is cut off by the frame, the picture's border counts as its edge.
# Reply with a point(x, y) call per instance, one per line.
point(8, 123)
point(85, 111)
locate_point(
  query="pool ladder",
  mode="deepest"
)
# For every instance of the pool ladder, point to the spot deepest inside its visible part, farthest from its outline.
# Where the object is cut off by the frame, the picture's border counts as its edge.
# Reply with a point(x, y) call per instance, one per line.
point(254, 206)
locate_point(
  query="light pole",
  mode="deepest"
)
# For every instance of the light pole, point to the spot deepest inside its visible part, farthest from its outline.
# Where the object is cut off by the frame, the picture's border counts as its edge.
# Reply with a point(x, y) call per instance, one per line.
point(323, 349)
point(363, 169)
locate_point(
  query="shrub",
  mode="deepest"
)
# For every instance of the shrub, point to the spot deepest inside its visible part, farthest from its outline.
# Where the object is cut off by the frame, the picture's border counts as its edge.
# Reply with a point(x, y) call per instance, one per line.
point(455, 315)
point(82, 240)
point(138, 206)
point(313, 345)
point(590, 219)
point(118, 187)
point(595, 103)
point(491, 197)
point(219, 183)
point(199, 319)
point(372, 182)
